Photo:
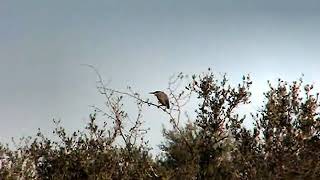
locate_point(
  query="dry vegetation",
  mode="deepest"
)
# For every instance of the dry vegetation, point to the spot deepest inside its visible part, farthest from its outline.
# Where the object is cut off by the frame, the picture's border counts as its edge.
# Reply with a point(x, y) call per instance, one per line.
point(283, 143)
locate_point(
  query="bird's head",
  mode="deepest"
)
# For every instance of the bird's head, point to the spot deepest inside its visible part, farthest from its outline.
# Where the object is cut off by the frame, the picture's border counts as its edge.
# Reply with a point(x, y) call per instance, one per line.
point(155, 92)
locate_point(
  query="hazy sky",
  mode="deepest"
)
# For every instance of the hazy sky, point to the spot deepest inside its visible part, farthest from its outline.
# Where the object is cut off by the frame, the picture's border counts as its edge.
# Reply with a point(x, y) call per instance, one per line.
point(141, 43)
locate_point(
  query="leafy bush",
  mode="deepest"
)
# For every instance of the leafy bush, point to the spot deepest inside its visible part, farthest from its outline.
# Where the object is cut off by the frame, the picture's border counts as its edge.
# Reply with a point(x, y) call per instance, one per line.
point(283, 142)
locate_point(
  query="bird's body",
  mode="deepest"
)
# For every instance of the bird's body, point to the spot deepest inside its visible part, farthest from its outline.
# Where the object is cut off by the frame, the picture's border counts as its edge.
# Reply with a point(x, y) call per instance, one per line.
point(162, 98)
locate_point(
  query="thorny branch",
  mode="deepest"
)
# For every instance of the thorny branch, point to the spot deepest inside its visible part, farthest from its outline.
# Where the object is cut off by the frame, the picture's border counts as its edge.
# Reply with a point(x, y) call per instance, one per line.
point(178, 100)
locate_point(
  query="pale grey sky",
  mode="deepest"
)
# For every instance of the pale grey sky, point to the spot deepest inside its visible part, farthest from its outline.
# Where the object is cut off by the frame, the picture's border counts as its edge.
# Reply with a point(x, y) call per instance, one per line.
point(141, 43)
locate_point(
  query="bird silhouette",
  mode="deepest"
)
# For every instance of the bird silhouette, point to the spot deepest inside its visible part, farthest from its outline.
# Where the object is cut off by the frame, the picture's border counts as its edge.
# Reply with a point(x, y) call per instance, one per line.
point(162, 98)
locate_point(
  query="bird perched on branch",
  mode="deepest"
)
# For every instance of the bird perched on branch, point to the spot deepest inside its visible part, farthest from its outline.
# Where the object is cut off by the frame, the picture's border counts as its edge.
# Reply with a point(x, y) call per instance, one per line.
point(162, 98)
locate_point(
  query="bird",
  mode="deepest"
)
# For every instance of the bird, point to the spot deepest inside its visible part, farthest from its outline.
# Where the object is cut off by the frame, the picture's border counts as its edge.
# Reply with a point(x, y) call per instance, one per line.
point(162, 98)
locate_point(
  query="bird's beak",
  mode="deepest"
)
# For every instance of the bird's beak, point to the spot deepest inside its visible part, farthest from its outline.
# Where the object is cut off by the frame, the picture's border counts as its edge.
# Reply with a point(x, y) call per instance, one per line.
point(151, 92)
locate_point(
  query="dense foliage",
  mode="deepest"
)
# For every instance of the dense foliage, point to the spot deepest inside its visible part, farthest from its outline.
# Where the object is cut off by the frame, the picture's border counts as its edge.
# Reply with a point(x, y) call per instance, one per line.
point(283, 142)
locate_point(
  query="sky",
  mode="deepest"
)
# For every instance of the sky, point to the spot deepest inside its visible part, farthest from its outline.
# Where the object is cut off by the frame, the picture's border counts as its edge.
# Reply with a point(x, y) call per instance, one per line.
point(142, 43)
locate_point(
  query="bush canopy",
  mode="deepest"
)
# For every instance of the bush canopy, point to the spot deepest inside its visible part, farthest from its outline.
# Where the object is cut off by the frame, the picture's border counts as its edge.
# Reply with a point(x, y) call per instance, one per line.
point(282, 143)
